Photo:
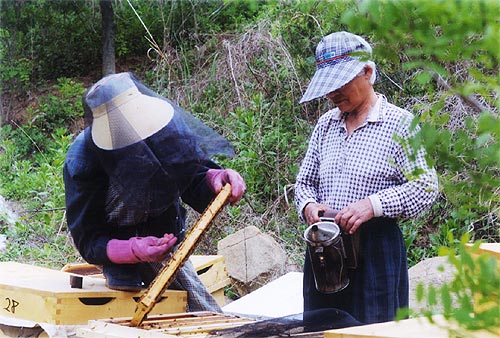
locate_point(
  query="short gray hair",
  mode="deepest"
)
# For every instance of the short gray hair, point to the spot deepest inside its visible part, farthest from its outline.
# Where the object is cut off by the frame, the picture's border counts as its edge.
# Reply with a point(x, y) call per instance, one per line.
point(374, 74)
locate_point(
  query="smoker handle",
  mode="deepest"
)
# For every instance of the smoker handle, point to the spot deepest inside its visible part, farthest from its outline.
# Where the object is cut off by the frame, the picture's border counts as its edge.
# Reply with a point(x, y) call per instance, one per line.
point(328, 214)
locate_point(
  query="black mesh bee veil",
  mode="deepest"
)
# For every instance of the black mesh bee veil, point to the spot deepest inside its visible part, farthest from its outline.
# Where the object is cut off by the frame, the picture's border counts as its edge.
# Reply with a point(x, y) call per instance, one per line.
point(148, 146)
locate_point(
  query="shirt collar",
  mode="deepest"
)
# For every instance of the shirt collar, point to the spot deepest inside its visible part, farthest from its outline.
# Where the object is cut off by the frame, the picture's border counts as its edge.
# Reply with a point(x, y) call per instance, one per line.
point(374, 115)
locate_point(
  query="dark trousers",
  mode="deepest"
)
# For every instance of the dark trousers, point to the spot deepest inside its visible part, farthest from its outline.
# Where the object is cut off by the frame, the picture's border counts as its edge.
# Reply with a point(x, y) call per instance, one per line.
point(378, 287)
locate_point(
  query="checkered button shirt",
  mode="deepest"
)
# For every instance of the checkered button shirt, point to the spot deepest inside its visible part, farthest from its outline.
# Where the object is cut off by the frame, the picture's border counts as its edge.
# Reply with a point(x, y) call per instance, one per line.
point(338, 170)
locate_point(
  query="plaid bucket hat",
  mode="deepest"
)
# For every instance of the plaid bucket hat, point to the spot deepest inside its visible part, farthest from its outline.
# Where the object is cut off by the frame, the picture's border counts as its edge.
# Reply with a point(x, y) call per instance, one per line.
point(340, 56)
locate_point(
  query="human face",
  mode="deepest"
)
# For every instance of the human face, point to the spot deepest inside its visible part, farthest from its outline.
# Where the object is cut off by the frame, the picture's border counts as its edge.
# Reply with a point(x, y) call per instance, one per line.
point(353, 97)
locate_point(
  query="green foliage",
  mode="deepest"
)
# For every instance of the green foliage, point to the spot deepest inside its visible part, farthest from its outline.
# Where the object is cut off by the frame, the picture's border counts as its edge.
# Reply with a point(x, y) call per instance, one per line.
point(58, 37)
point(470, 161)
point(434, 31)
point(40, 236)
point(37, 242)
point(61, 109)
point(31, 162)
point(14, 72)
point(55, 110)
point(269, 146)
point(302, 24)
point(472, 298)
point(38, 181)
point(179, 23)
point(46, 39)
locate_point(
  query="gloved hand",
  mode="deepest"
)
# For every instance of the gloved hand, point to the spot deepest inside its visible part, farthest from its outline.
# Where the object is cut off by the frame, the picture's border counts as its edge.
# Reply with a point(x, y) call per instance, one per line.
point(140, 249)
point(217, 178)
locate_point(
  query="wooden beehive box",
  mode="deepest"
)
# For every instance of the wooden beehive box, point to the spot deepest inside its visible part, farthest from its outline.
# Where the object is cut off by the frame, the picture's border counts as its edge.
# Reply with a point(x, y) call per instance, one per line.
point(44, 295)
point(211, 270)
point(192, 324)
point(408, 328)
point(213, 274)
point(492, 249)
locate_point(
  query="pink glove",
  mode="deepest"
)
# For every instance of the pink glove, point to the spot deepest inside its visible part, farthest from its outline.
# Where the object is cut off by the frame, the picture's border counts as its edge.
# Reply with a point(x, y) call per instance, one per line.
point(217, 178)
point(140, 249)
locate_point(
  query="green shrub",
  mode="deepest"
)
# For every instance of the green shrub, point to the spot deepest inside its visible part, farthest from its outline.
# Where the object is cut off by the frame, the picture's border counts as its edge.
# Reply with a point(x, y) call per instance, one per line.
point(59, 108)
point(31, 162)
point(41, 235)
point(471, 299)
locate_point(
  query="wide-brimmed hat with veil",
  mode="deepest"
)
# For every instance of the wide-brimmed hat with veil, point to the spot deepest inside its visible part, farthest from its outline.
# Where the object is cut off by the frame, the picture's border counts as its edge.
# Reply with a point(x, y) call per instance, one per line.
point(147, 145)
point(121, 111)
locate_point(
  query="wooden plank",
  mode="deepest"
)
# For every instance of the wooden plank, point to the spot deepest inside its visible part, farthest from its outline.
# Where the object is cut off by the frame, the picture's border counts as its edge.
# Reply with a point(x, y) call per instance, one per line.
point(212, 271)
point(219, 297)
point(492, 249)
point(97, 329)
point(201, 262)
point(83, 269)
point(165, 277)
point(44, 281)
point(408, 328)
point(194, 324)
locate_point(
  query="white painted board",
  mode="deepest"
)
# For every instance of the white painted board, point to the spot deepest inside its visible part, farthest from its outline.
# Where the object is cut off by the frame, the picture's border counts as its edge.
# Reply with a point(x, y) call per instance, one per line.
point(279, 298)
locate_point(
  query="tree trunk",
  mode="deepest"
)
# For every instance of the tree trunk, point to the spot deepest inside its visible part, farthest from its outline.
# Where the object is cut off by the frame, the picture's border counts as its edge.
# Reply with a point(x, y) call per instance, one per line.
point(108, 37)
point(2, 114)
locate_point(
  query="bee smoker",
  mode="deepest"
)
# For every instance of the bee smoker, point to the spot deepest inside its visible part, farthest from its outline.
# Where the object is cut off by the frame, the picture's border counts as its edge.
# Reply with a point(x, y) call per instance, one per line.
point(328, 256)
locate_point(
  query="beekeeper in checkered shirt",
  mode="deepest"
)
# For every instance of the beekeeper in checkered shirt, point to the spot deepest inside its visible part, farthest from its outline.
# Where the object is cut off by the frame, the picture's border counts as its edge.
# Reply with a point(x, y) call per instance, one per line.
point(356, 165)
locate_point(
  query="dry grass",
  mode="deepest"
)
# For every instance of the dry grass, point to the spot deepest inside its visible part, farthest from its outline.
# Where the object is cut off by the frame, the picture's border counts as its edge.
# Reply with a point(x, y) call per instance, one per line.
point(240, 64)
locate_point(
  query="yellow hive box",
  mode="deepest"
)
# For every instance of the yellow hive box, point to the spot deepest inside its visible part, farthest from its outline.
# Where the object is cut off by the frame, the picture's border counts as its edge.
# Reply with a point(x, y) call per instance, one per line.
point(44, 295)
point(212, 272)
point(492, 249)
point(480, 303)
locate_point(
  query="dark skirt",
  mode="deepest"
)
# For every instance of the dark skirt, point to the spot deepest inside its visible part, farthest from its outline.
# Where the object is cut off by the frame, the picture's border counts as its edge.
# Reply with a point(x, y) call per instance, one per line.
point(378, 287)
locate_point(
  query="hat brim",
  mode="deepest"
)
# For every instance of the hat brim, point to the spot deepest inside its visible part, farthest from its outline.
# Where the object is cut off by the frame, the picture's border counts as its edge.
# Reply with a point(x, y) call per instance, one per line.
point(331, 78)
point(129, 118)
